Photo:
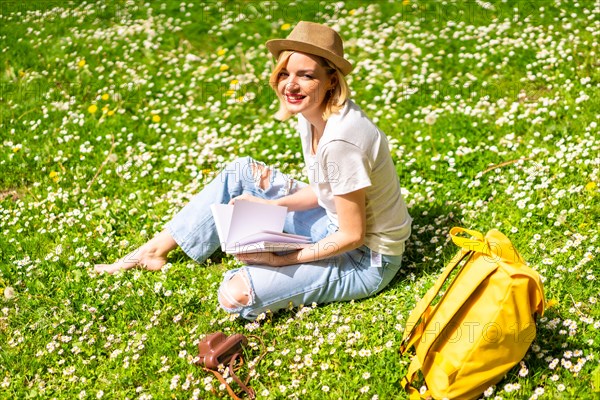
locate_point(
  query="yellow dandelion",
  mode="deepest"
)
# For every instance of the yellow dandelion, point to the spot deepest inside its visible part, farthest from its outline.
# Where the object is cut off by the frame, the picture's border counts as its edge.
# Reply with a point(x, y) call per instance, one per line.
point(54, 176)
point(16, 149)
point(590, 186)
point(156, 118)
point(81, 63)
point(285, 27)
point(234, 82)
point(105, 96)
point(352, 12)
point(551, 303)
point(405, 2)
point(92, 109)
point(110, 113)
point(240, 99)
point(221, 52)
point(105, 109)
point(230, 93)
point(21, 73)
point(224, 67)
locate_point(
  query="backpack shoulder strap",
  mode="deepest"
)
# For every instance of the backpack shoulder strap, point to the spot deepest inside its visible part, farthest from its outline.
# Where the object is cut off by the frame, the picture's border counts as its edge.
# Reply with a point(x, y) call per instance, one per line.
point(477, 243)
point(421, 311)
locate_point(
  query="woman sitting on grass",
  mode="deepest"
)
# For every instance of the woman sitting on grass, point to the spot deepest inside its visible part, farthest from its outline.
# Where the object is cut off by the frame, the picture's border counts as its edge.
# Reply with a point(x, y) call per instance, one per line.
point(352, 207)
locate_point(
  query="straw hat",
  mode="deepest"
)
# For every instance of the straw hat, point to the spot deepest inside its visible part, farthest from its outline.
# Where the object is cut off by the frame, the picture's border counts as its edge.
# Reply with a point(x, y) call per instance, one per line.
point(316, 39)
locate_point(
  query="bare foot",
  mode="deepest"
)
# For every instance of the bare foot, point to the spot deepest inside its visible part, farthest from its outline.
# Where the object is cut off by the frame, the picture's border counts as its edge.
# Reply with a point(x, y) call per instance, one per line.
point(151, 256)
point(138, 258)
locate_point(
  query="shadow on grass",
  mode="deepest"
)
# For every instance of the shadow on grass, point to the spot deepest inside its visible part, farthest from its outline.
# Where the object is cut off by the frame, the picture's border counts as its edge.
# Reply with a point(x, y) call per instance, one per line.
point(429, 247)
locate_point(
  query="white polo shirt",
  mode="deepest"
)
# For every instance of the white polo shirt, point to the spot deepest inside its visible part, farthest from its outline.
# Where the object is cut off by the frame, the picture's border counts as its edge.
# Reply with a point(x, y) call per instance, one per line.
point(353, 154)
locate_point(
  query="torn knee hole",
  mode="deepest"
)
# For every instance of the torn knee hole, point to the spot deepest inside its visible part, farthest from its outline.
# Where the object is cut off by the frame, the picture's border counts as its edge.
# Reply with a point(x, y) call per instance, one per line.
point(261, 174)
point(235, 293)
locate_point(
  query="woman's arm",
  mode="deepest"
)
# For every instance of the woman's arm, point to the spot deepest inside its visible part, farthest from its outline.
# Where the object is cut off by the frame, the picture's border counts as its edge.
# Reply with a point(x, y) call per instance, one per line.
point(303, 199)
point(300, 200)
point(352, 218)
point(351, 210)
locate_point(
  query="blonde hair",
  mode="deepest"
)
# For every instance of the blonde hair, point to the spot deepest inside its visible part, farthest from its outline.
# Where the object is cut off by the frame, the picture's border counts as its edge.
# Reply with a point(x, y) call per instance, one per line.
point(335, 99)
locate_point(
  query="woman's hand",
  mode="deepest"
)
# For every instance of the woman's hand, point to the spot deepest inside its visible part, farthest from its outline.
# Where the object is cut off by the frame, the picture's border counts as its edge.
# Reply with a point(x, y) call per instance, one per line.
point(265, 258)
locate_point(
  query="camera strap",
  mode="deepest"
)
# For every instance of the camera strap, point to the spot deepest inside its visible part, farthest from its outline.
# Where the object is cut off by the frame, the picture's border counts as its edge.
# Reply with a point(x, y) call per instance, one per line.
point(231, 368)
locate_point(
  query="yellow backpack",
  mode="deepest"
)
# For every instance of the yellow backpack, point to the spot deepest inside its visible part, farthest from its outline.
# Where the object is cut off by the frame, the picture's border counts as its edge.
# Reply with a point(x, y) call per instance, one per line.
point(482, 325)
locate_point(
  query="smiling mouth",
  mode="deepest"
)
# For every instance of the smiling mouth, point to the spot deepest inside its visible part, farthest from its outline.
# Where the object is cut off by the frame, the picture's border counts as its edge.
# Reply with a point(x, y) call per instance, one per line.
point(294, 98)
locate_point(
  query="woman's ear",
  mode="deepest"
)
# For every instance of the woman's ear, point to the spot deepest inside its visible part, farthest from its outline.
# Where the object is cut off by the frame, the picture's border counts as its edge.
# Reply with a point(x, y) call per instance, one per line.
point(333, 82)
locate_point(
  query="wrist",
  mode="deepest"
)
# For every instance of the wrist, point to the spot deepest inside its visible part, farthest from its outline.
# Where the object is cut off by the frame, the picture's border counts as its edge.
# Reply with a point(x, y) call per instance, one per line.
point(288, 258)
point(277, 202)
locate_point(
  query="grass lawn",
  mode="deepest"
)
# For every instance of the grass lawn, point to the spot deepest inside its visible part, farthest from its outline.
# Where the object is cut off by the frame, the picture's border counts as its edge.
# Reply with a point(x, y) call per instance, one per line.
point(114, 114)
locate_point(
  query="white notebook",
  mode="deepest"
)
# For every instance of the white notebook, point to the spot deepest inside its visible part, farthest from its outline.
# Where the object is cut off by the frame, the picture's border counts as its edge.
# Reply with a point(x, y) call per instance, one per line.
point(249, 227)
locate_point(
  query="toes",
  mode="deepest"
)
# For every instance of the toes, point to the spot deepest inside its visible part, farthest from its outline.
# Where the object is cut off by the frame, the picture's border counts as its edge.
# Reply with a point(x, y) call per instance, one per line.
point(108, 268)
point(100, 267)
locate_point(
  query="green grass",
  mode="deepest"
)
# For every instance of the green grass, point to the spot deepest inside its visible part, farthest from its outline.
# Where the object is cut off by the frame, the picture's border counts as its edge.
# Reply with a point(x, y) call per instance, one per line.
point(77, 187)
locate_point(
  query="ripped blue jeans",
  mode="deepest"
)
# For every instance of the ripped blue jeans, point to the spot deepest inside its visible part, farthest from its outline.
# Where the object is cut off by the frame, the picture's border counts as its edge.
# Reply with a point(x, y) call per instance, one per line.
point(348, 276)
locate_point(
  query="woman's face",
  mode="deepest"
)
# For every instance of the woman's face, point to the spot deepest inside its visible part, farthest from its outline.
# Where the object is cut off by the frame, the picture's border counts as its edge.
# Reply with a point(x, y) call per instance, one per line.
point(303, 84)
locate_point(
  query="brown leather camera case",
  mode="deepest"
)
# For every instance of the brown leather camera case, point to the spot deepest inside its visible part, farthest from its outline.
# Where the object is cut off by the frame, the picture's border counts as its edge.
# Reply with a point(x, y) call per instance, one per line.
point(217, 348)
